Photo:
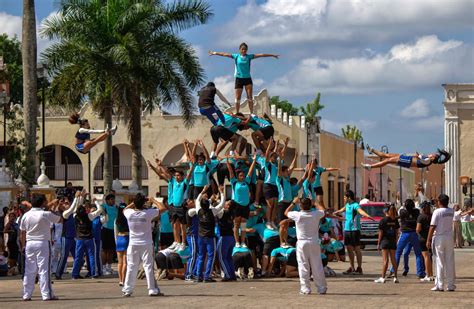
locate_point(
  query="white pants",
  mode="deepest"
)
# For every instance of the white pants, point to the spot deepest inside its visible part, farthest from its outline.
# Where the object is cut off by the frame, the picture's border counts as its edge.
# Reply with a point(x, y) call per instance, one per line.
point(308, 254)
point(443, 250)
point(37, 261)
point(135, 255)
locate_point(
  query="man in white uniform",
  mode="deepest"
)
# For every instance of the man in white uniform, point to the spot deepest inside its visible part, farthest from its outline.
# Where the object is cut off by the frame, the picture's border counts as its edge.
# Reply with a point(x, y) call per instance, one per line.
point(140, 248)
point(308, 250)
point(35, 229)
point(440, 238)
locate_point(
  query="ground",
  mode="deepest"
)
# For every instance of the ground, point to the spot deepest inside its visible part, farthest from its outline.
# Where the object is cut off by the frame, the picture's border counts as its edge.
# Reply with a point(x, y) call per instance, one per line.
point(355, 291)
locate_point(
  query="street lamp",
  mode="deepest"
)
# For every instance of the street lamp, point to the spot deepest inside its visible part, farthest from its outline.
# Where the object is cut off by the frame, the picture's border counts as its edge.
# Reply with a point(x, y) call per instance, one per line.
point(465, 181)
point(42, 72)
point(355, 162)
point(384, 149)
point(5, 100)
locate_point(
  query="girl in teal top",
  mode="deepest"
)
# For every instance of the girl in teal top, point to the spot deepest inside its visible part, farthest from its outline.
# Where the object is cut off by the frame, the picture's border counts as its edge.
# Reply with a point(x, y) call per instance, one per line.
point(242, 62)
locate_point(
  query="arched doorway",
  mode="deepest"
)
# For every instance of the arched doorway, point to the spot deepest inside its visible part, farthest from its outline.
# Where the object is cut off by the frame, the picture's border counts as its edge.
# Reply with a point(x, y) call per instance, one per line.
point(121, 164)
point(61, 162)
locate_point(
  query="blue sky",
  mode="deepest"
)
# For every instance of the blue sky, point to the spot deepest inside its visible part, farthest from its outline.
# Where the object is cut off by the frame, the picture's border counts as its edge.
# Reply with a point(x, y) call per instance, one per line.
point(379, 64)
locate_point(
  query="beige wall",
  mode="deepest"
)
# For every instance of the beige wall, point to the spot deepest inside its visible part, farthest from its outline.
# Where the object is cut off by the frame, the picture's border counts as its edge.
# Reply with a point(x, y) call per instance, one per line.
point(466, 137)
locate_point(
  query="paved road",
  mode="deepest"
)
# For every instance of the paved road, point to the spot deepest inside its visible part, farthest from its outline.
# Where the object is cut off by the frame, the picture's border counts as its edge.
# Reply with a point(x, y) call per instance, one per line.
point(353, 291)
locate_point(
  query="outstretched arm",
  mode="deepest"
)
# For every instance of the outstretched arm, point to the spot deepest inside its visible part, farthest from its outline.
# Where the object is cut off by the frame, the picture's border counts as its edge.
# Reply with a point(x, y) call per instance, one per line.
point(213, 53)
point(266, 55)
point(220, 206)
point(190, 173)
point(90, 131)
point(72, 209)
point(363, 213)
point(331, 169)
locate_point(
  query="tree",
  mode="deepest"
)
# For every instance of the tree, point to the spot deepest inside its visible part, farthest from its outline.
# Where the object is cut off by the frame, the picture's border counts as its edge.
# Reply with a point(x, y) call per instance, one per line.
point(10, 50)
point(285, 105)
point(352, 133)
point(130, 48)
point(312, 109)
point(30, 100)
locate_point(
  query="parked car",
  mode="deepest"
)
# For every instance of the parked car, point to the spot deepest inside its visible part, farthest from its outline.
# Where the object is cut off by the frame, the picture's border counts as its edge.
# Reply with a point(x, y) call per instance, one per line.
point(369, 229)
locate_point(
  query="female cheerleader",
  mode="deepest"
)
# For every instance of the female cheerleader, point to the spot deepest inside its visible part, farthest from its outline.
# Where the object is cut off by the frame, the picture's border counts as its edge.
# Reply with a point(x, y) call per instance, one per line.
point(242, 73)
point(84, 143)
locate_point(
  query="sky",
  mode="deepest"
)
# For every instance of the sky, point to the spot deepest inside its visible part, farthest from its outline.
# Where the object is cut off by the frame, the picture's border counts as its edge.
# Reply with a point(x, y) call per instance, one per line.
point(379, 64)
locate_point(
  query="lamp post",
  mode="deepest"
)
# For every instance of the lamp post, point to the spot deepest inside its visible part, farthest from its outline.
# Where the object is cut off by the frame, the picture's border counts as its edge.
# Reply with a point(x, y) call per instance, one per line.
point(390, 182)
point(41, 72)
point(355, 162)
point(384, 149)
point(401, 184)
point(465, 181)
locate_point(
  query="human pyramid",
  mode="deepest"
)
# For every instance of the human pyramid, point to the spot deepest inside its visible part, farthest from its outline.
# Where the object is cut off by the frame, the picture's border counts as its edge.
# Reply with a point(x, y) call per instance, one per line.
point(272, 224)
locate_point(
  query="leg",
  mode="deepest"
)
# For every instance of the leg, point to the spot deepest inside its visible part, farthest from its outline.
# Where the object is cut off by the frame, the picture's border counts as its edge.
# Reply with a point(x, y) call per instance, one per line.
point(91, 256)
point(88, 145)
point(176, 231)
point(420, 265)
point(350, 251)
point(192, 256)
point(31, 268)
point(78, 259)
point(44, 270)
point(236, 229)
point(147, 258)
point(439, 252)
point(406, 257)
point(284, 231)
point(383, 155)
point(256, 140)
point(98, 258)
point(303, 268)
point(450, 265)
point(200, 259)
point(243, 233)
point(243, 143)
point(314, 251)
point(121, 266)
point(402, 243)
point(229, 246)
point(182, 228)
point(394, 262)
point(385, 254)
point(211, 255)
point(133, 262)
point(238, 96)
point(358, 256)
point(391, 160)
point(248, 90)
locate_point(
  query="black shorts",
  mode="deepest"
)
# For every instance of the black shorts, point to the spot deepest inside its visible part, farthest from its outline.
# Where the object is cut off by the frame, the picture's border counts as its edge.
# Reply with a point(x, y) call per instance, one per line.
point(108, 239)
point(177, 214)
point(255, 244)
point(174, 261)
point(218, 132)
point(160, 260)
point(271, 244)
point(423, 246)
point(241, 82)
point(352, 238)
point(281, 207)
point(191, 192)
point(13, 251)
point(223, 173)
point(267, 132)
point(325, 262)
point(270, 191)
point(388, 244)
point(261, 174)
point(319, 191)
point(166, 239)
point(197, 190)
point(239, 210)
point(242, 259)
point(292, 261)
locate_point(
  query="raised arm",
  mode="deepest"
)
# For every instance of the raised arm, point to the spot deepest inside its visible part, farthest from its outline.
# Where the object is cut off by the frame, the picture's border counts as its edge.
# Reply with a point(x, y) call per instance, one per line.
point(252, 166)
point(161, 206)
point(190, 172)
point(285, 146)
point(292, 165)
point(279, 167)
point(291, 206)
point(213, 53)
point(265, 56)
point(220, 206)
point(72, 209)
point(269, 149)
point(193, 152)
point(97, 212)
point(206, 154)
point(229, 168)
point(305, 175)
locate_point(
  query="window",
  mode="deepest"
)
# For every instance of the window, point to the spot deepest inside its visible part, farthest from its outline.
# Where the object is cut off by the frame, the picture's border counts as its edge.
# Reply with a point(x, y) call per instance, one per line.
point(331, 193)
point(340, 194)
point(71, 156)
point(389, 197)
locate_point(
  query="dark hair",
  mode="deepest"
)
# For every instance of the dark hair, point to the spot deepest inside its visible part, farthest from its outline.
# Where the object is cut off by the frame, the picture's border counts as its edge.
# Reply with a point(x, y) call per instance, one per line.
point(76, 119)
point(443, 200)
point(121, 220)
point(350, 194)
point(315, 161)
point(205, 204)
point(179, 172)
point(243, 45)
point(284, 168)
point(442, 157)
point(367, 196)
point(109, 196)
point(238, 171)
point(139, 201)
point(38, 200)
point(426, 207)
point(211, 84)
point(293, 180)
point(305, 203)
point(409, 204)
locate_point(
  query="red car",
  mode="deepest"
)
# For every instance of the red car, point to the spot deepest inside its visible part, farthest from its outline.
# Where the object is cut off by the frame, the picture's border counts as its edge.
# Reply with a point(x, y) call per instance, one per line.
point(369, 230)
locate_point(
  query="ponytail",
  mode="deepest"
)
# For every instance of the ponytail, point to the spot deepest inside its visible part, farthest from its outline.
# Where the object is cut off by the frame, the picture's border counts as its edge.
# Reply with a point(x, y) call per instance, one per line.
point(75, 119)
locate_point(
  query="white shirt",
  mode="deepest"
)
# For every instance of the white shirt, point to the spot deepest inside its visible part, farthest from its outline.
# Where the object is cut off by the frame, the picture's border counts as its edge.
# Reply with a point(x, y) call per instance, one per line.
point(457, 215)
point(307, 223)
point(364, 201)
point(139, 225)
point(37, 224)
point(466, 218)
point(443, 220)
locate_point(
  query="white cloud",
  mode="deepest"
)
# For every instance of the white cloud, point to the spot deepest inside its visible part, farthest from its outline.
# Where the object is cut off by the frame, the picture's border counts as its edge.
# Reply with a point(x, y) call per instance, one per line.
point(10, 24)
point(319, 21)
point(417, 109)
point(226, 83)
point(427, 62)
point(430, 123)
point(336, 126)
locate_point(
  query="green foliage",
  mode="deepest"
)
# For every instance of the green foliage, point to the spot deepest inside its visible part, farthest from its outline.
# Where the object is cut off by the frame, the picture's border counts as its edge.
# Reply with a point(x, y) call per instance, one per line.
point(352, 133)
point(312, 109)
point(10, 49)
point(285, 105)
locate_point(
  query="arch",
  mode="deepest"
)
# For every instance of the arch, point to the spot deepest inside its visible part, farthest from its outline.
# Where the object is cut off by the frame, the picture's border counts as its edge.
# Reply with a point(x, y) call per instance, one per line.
point(175, 155)
point(121, 164)
point(57, 158)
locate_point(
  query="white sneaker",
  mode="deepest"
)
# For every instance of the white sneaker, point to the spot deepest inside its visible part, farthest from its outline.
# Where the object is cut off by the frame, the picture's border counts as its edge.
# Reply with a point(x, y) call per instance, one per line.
point(240, 273)
point(395, 280)
point(269, 226)
point(436, 289)
point(274, 226)
point(380, 280)
point(181, 247)
point(305, 292)
point(113, 130)
point(237, 244)
point(251, 273)
point(285, 245)
point(244, 245)
point(107, 272)
point(231, 153)
point(366, 166)
point(425, 279)
point(173, 245)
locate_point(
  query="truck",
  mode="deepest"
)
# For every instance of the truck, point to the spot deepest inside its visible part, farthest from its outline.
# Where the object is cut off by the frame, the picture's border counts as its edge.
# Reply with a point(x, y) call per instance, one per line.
point(369, 230)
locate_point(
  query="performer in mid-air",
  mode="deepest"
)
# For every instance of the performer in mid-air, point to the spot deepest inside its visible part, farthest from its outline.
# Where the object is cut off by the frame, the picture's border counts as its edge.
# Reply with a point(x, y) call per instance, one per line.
point(84, 143)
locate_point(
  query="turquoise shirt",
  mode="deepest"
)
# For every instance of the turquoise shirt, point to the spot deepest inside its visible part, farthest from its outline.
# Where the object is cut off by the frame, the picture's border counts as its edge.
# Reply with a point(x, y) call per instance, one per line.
point(282, 254)
point(284, 189)
point(184, 254)
point(333, 246)
point(308, 191)
point(170, 191)
point(352, 222)
point(295, 189)
point(317, 176)
point(256, 123)
point(239, 250)
point(271, 172)
point(325, 225)
point(241, 191)
point(242, 65)
point(267, 233)
point(200, 175)
point(180, 192)
point(111, 214)
point(230, 123)
point(165, 224)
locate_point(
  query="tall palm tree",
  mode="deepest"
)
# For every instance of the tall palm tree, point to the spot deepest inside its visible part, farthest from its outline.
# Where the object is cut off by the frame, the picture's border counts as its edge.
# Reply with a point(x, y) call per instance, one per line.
point(30, 100)
point(312, 109)
point(352, 133)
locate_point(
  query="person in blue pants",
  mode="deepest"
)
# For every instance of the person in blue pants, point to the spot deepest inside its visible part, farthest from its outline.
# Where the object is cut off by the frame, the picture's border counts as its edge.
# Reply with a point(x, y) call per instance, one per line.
point(206, 240)
point(206, 104)
point(68, 241)
point(408, 217)
point(226, 242)
point(192, 235)
point(96, 232)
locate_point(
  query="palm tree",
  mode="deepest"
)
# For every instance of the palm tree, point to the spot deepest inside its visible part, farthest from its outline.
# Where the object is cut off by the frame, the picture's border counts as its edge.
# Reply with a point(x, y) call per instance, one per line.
point(352, 133)
point(131, 47)
point(30, 100)
point(312, 109)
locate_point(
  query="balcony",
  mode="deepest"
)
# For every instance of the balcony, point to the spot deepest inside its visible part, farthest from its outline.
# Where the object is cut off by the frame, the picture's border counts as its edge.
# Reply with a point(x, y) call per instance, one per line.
point(122, 172)
point(74, 172)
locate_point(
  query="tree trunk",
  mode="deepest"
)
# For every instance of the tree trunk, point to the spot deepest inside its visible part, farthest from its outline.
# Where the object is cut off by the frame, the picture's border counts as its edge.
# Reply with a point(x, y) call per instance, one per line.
point(30, 99)
point(108, 160)
point(135, 130)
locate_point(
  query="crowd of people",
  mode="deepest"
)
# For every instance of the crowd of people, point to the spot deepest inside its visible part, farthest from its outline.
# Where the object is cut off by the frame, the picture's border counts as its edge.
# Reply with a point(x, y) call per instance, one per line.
point(268, 224)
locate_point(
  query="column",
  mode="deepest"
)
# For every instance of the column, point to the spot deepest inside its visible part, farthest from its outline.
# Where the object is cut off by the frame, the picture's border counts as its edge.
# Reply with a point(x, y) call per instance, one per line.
point(451, 144)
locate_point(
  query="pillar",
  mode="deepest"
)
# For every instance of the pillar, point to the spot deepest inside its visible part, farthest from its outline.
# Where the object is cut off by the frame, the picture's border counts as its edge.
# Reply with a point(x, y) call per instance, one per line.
point(451, 144)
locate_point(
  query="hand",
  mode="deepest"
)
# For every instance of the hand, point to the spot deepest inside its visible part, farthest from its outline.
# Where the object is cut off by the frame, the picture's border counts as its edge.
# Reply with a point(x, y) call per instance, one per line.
point(428, 244)
point(148, 162)
point(221, 188)
point(286, 141)
point(255, 156)
point(378, 248)
point(371, 218)
point(211, 53)
point(78, 193)
point(296, 200)
point(276, 56)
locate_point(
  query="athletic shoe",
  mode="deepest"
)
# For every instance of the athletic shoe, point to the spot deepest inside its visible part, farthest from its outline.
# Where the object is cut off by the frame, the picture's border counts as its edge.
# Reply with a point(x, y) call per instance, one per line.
point(189, 280)
point(369, 149)
point(244, 245)
point(198, 280)
point(181, 247)
point(436, 289)
point(237, 245)
point(274, 226)
point(120, 283)
point(305, 292)
point(451, 289)
point(107, 273)
point(173, 245)
point(358, 271)
point(322, 291)
point(26, 298)
point(77, 278)
point(432, 278)
point(58, 278)
point(113, 130)
point(405, 273)
point(395, 280)
point(426, 279)
point(157, 293)
point(380, 280)
point(251, 274)
point(163, 275)
point(348, 271)
point(366, 166)
point(125, 294)
point(269, 226)
point(285, 245)
point(52, 298)
point(391, 275)
point(231, 153)
point(209, 280)
point(240, 273)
